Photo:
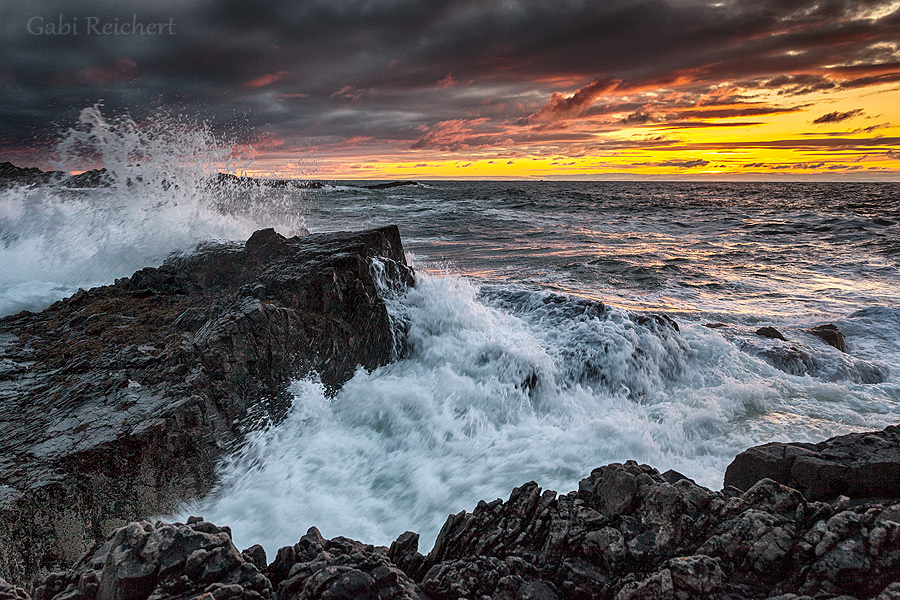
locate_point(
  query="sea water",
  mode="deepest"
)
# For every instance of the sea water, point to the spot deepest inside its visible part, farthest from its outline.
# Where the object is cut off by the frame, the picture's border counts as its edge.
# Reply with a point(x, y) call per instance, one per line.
point(530, 356)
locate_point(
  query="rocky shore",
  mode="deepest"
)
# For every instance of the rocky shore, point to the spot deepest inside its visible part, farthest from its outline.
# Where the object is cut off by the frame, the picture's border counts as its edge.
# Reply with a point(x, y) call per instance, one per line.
point(627, 533)
point(118, 402)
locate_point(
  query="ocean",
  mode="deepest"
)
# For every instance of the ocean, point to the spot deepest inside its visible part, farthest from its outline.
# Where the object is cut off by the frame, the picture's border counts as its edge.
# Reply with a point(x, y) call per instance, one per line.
point(535, 346)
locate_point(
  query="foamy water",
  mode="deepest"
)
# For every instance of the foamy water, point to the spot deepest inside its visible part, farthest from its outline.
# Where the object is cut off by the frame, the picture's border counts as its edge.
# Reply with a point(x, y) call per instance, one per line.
point(514, 372)
point(406, 445)
point(159, 200)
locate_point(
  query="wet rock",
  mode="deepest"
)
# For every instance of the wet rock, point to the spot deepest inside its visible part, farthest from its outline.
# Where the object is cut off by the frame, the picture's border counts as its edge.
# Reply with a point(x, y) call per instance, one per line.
point(339, 569)
point(859, 465)
point(770, 332)
point(627, 533)
point(657, 322)
point(830, 334)
point(792, 360)
point(9, 591)
point(118, 402)
point(141, 561)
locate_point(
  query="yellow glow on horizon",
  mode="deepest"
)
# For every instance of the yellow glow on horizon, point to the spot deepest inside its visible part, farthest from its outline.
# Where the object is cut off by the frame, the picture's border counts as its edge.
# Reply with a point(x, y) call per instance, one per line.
point(780, 144)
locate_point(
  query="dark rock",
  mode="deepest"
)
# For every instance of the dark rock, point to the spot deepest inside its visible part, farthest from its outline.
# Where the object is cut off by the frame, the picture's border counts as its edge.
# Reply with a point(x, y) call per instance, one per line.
point(791, 359)
point(626, 534)
point(715, 325)
point(256, 554)
point(673, 476)
point(340, 569)
point(118, 402)
point(141, 561)
point(89, 179)
point(657, 322)
point(9, 591)
point(859, 465)
point(404, 552)
point(798, 359)
point(770, 332)
point(13, 175)
point(830, 334)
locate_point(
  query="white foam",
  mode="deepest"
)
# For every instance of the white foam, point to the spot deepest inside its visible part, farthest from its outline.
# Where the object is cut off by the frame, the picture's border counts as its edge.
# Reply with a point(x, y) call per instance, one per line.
point(160, 199)
point(403, 446)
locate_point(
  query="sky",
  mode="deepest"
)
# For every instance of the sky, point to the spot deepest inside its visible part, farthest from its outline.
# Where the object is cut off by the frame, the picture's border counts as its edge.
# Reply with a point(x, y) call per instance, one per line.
point(416, 89)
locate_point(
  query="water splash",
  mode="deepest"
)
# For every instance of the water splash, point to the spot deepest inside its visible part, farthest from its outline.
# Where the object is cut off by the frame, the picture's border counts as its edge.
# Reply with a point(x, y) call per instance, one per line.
point(160, 194)
point(501, 385)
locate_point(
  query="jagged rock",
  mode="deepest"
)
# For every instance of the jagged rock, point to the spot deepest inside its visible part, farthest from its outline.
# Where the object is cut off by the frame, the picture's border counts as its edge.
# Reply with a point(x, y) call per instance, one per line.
point(116, 403)
point(859, 465)
point(9, 591)
point(163, 562)
point(256, 554)
point(626, 534)
point(830, 334)
point(10, 174)
point(339, 569)
point(404, 552)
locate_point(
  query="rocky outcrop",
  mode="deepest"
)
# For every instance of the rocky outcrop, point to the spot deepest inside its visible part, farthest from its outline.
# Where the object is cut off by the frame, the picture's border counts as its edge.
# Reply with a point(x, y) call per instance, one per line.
point(770, 332)
point(858, 465)
point(11, 175)
point(626, 534)
point(117, 402)
point(141, 560)
point(830, 334)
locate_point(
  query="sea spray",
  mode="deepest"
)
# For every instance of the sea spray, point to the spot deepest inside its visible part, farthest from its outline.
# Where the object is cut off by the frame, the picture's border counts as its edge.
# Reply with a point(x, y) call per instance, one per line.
point(500, 385)
point(160, 194)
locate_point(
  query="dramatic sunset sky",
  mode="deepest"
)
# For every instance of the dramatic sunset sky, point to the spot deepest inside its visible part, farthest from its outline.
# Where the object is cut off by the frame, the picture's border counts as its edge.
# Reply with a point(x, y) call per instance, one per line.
point(413, 89)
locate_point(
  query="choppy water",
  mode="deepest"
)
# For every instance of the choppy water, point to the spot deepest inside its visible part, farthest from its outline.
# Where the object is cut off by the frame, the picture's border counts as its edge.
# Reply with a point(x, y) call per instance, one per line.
point(503, 271)
point(513, 373)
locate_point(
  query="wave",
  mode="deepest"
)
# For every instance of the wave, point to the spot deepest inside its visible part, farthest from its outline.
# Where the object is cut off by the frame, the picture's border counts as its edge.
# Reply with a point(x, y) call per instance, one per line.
point(499, 385)
point(161, 195)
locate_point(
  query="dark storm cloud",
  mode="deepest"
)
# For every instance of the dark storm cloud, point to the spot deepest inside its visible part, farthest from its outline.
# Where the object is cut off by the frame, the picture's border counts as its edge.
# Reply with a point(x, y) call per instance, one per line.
point(412, 73)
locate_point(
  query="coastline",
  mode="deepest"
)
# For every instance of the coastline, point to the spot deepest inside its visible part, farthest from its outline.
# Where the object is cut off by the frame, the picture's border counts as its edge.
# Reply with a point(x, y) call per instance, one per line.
point(628, 532)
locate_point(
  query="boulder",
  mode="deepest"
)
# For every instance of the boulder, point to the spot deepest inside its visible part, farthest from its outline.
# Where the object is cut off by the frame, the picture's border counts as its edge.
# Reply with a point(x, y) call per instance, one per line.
point(858, 465)
point(118, 402)
point(830, 334)
point(770, 332)
point(339, 569)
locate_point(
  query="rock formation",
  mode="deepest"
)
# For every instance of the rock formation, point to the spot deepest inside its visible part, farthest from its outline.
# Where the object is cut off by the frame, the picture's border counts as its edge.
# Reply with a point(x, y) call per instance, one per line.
point(830, 334)
point(117, 402)
point(859, 464)
point(628, 533)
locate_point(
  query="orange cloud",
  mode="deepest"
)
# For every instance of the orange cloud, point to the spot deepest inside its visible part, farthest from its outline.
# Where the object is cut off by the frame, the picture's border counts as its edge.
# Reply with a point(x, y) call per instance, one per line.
point(562, 107)
point(453, 134)
point(446, 82)
point(264, 80)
